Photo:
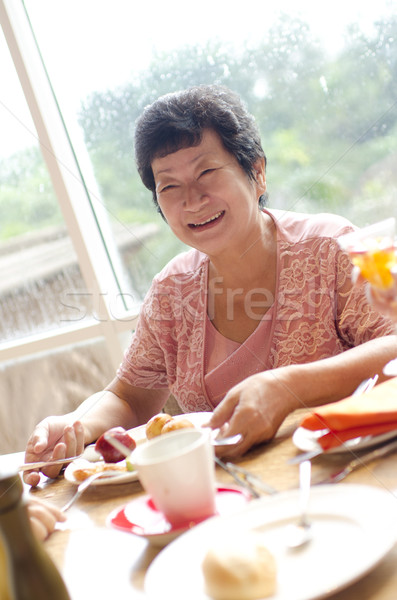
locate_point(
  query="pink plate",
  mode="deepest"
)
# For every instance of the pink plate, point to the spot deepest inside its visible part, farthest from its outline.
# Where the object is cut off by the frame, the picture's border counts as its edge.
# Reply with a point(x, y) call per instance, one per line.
point(142, 518)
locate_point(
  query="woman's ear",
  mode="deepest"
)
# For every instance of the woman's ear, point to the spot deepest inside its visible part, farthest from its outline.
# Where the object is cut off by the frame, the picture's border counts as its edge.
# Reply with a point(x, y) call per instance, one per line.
point(260, 174)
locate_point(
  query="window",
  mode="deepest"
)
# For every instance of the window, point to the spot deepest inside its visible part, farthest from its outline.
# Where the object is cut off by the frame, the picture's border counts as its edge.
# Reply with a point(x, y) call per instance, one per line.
point(79, 238)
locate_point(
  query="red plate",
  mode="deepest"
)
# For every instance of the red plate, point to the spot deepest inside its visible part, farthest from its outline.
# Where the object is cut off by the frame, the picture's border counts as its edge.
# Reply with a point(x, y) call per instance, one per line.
point(142, 518)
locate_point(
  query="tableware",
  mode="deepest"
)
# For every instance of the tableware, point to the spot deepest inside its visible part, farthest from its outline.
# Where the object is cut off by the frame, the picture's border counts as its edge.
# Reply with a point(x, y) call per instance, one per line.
point(390, 369)
point(121, 477)
point(177, 470)
point(127, 452)
point(198, 419)
point(142, 518)
point(360, 461)
point(138, 433)
point(85, 484)
point(246, 479)
point(299, 533)
point(354, 527)
point(47, 463)
point(306, 440)
point(363, 387)
point(373, 250)
point(229, 440)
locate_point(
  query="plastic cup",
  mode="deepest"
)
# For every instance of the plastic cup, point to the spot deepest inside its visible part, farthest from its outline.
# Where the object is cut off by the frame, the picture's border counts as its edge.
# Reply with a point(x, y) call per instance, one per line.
point(373, 251)
point(177, 470)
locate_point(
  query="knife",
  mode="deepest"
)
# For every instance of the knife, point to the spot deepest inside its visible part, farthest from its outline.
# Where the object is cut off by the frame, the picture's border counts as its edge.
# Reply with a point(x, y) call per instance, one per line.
point(360, 461)
point(46, 463)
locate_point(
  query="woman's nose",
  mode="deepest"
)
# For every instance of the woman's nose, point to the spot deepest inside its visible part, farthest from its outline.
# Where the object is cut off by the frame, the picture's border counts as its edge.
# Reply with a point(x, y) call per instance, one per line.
point(195, 196)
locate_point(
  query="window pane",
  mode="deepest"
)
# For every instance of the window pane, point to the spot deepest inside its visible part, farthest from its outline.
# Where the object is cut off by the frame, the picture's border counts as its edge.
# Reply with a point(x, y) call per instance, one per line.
point(320, 80)
point(38, 265)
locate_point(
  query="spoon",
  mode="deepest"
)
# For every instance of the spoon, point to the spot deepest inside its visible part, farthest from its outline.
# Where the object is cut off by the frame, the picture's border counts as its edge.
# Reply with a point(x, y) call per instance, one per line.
point(390, 369)
point(227, 441)
point(86, 483)
point(299, 533)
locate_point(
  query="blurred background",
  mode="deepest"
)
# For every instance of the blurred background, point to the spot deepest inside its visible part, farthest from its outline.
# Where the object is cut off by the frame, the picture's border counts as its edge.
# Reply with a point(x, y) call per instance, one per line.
point(79, 238)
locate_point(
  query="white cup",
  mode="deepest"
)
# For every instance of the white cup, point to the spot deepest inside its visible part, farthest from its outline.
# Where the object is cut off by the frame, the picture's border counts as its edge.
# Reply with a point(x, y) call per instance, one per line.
point(177, 470)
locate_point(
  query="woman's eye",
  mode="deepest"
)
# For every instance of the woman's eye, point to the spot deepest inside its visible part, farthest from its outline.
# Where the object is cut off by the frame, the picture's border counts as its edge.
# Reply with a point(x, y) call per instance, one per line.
point(167, 187)
point(206, 172)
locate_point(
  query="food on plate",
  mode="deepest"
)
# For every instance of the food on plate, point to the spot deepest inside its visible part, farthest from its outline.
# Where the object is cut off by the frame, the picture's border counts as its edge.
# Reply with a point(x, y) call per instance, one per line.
point(163, 423)
point(175, 424)
point(240, 568)
point(156, 424)
point(107, 451)
point(81, 473)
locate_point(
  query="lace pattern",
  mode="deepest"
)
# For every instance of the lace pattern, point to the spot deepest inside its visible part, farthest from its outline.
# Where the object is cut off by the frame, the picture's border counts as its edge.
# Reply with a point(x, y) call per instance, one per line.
point(317, 315)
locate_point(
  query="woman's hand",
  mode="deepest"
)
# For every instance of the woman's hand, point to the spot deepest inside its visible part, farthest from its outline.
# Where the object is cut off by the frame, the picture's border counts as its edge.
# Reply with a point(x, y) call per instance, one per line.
point(53, 438)
point(256, 407)
point(384, 300)
point(43, 517)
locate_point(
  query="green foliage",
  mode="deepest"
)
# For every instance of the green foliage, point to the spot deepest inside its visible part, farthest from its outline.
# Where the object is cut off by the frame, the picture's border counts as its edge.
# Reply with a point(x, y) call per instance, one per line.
point(328, 125)
point(27, 200)
point(318, 116)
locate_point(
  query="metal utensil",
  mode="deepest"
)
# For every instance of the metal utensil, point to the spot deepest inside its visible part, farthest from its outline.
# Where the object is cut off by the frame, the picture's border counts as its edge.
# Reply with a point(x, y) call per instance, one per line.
point(298, 534)
point(362, 388)
point(254, 480)
point(246, 479)
point(360, 461)
point(237, 478)
point(230, 440)
point(86, 483)
point(47, 463)
point(390, 369)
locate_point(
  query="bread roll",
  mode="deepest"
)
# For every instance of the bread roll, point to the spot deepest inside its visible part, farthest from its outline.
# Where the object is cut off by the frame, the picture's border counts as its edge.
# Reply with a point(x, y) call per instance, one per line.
point(175, 424)
point(156, 424)
point(240, 568)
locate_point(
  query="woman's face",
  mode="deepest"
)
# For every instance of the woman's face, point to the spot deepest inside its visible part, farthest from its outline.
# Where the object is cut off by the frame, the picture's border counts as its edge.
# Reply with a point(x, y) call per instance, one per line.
point(208, 200)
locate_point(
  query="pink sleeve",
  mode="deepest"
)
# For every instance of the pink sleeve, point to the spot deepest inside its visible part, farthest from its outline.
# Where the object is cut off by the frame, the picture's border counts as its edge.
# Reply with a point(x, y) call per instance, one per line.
point(144, 363)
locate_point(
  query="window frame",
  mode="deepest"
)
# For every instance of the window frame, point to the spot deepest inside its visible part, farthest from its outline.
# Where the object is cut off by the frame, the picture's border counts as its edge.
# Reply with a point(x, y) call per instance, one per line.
point(76, 191)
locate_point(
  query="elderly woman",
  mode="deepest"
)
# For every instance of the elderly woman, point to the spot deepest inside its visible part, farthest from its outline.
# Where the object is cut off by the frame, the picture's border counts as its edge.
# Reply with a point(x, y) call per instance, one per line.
point(257, 320)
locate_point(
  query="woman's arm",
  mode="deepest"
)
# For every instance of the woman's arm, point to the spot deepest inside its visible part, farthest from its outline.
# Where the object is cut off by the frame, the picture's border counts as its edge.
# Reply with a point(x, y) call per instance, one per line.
point(58, 437)
point(257, 406)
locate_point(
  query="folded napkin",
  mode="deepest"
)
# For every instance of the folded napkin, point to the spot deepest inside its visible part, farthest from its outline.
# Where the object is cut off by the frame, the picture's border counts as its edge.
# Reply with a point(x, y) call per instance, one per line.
point(372, 413)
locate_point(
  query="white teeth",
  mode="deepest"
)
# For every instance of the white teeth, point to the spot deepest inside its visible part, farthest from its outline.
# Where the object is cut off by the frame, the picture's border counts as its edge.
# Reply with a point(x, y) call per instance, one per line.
point(209, 220)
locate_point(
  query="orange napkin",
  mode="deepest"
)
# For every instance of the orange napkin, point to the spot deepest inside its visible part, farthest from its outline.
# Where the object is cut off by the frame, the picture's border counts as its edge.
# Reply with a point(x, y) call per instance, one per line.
point(372, 413)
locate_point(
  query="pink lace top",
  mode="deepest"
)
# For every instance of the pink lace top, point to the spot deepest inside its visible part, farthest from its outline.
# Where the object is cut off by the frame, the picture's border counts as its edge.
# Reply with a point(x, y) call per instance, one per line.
point(316, 314)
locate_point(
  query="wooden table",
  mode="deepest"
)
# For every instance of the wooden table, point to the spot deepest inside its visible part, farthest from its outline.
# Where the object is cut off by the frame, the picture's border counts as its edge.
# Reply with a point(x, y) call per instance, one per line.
point(97, 561)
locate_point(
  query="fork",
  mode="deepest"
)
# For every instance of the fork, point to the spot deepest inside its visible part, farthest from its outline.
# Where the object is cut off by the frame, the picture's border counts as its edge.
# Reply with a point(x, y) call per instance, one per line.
point(360, 461)
point(85, 484)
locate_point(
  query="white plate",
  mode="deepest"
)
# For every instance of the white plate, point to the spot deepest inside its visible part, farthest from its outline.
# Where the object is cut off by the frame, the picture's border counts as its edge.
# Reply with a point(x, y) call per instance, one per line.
point(354, 527)
point(306, 440)
point(80, 463)
point(198, 419)
point(138, 434)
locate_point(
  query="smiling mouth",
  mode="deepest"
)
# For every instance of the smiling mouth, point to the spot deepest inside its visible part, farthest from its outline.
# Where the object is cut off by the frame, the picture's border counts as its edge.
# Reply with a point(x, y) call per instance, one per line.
point(210, 220)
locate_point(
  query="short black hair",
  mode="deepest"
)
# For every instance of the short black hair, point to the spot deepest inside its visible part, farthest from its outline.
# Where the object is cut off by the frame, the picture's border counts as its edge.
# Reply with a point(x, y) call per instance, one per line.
point(177, 120)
